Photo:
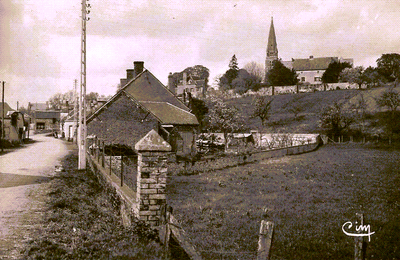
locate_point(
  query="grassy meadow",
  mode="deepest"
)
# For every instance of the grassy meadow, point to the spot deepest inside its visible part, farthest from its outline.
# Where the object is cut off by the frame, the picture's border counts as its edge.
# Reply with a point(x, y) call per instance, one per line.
point(309, 197)
point(281, 120)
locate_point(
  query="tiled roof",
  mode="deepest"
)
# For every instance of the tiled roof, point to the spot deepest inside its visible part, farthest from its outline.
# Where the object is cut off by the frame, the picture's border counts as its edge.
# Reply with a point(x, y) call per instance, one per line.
point(47, 114)
point(149, 92)
point(146, 87)
point(170, 114)
point(7, 108)
point(313, 64)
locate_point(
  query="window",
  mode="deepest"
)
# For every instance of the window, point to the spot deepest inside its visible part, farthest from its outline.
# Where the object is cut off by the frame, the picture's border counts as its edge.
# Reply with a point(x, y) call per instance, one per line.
point(317, 79)
point(303, 79)
point(40, 125)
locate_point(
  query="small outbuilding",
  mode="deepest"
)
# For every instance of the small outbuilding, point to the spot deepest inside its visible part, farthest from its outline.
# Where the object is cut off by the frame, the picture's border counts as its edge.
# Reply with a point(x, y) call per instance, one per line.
point(14, 124)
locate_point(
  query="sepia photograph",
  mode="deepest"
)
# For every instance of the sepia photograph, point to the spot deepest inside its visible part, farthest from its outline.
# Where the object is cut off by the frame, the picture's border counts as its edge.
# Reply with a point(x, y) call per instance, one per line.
point(204, 129)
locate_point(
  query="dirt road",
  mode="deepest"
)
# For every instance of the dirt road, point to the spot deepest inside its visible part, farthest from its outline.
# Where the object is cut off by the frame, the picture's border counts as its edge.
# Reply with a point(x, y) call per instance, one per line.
point(24, 181)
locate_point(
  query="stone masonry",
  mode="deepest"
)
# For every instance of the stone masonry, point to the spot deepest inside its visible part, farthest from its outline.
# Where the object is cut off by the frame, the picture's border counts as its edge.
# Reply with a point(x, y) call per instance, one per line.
point(153, 153)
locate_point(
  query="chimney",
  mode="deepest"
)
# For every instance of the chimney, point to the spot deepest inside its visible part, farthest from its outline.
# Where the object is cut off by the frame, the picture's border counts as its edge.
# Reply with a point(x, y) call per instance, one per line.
point(138, 67)
point(123, 82)
point(130, 74)
point(171, 86)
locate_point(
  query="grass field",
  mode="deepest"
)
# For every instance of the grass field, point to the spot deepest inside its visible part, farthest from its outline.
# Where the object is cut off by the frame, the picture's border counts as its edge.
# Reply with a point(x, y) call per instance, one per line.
point(309, 197)
point(312, 103)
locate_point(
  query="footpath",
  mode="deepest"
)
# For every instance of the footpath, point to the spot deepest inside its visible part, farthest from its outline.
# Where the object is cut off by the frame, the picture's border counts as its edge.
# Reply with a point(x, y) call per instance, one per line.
point(25, 174)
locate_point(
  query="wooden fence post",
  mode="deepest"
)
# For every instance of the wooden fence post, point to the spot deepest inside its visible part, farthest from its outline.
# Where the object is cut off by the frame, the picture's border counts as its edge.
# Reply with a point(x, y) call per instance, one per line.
point(111, 154)
point(98, 149)
point(103, 155)
point(265, 240)
point(122, 170)
point(167, 231)
point(360, 247)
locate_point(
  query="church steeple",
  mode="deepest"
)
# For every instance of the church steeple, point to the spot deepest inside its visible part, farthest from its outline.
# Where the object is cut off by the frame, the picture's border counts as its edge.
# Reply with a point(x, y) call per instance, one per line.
point(272, 48)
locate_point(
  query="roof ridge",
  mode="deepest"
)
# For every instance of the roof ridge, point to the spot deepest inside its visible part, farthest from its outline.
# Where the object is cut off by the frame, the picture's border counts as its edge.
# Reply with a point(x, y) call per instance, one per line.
point(181, 109)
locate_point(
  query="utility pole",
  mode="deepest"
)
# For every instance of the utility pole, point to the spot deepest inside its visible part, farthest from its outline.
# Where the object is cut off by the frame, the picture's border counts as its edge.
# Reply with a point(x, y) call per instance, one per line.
point(82, 93)
point(75, 135)
point(2, 117)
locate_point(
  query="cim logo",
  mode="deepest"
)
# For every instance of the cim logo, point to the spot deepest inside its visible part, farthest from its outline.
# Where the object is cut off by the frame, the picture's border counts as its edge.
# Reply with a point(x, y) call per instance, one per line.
point(358, 231)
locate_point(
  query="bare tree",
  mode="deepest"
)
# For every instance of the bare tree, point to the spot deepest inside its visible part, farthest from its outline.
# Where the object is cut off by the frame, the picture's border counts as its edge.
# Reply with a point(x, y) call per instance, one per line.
point(294, 106)
point(262, 107)
point(255, 69)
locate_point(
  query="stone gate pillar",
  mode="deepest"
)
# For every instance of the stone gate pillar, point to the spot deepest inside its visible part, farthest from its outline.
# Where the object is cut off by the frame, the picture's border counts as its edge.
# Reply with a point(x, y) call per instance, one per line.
point(153, 153)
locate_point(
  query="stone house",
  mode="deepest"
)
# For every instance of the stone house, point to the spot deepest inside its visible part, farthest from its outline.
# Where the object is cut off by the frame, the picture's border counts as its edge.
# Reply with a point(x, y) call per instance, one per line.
point(15, 126)
point(47, 120)
point(190, 84)
point(68, 126)
point(143, 103)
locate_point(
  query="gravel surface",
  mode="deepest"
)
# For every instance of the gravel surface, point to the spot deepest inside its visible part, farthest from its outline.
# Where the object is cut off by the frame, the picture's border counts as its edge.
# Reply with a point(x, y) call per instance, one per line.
point(24, 176)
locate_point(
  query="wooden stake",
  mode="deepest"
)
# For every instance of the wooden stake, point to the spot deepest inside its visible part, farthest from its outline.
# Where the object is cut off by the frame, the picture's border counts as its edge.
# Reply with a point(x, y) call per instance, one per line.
point(360, 244)
point(265, 240)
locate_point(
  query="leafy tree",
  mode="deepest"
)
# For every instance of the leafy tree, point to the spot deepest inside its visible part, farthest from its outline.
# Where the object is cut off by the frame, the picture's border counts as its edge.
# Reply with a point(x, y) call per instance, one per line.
point(261, 108)
point(224, 118)
point(239, 85)
point(60, 100)
point(391, 119)
point(230, 75)
point(199, 109)
point(331, 74)
point(389, 99)
point(335, 120)
point(279, 75)
point(92, 97)
point(244, 81)
point(388, 65)
point(371, 76)
point(352, 75)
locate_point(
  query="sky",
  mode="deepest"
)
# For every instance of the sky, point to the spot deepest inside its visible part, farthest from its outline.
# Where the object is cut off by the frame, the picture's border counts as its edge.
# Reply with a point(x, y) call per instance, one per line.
point(40, 40)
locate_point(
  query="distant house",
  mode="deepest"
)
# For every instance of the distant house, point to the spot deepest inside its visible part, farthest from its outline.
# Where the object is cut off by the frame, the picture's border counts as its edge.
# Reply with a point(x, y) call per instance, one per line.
point(189, 84)
point(15, 127)
point(46, 120)
point(310, 70)
point(144, 103)
point(68, 126)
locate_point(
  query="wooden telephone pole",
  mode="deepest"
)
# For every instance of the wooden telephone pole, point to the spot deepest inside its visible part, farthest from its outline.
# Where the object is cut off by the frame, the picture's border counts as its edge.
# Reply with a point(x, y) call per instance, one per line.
point(82, 93)
point(2, 117)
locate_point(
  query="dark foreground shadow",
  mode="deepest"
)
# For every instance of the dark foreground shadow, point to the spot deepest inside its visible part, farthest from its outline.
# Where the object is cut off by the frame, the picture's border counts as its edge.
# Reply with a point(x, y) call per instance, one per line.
point(8, 180)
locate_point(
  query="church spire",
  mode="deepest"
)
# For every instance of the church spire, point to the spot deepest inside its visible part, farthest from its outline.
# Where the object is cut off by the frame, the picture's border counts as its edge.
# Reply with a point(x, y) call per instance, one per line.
point(272, 49)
